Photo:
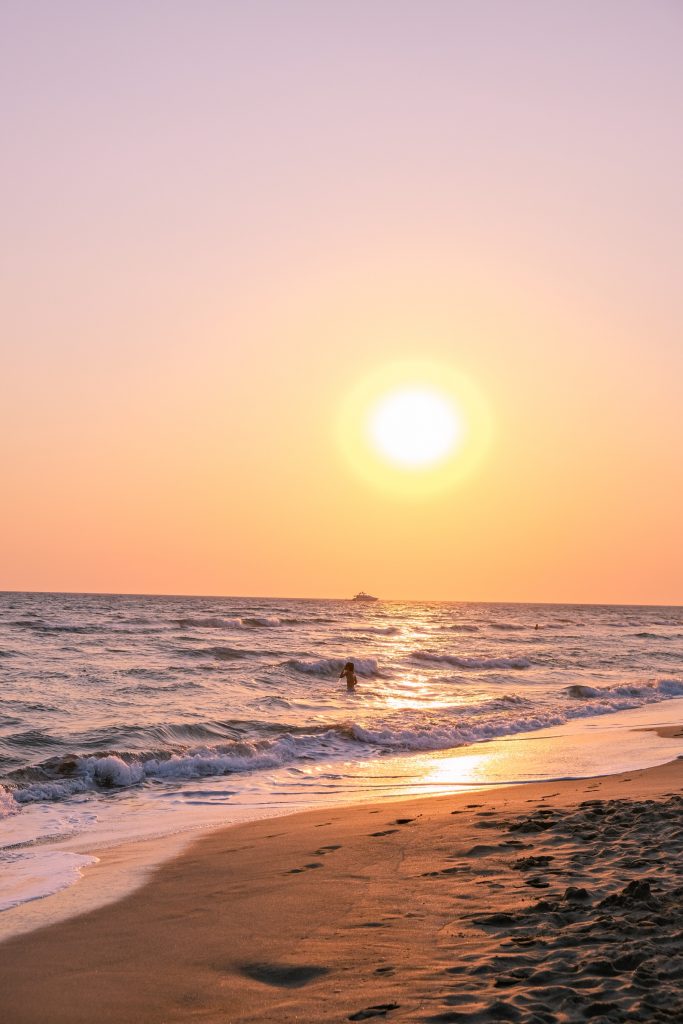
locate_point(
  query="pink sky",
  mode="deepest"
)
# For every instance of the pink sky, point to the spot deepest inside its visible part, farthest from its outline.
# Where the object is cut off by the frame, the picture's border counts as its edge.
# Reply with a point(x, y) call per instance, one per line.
point(218, 218)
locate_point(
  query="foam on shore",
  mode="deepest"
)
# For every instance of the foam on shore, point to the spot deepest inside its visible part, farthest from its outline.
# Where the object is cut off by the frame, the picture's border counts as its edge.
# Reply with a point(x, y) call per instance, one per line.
point(545, 902)
point(166, 818)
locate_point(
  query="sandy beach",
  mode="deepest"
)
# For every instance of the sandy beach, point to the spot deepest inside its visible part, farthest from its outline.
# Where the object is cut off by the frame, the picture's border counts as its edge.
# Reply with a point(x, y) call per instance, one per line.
point(341, 575)
point(546, 902)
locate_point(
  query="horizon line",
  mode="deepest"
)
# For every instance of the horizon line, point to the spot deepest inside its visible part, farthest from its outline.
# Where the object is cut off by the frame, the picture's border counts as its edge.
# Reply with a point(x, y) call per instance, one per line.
point(388, 600)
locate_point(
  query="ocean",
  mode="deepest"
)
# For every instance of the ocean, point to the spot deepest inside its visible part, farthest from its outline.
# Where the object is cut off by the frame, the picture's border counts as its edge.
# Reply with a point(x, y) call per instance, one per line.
point(125, 717)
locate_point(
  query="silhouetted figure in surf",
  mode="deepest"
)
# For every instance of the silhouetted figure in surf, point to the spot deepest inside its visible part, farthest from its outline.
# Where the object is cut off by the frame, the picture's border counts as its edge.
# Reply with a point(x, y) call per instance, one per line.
point(351, 678)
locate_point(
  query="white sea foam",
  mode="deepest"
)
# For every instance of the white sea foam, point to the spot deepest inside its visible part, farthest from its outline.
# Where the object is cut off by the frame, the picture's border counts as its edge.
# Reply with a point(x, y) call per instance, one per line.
point(47, 791)
point(45, 821)
point(445, 735)
point(670, 687)
point(405, 731)
point(468, 725)
point(112, 772)
point(34, 875)
point(644, 693)
point(232, 688)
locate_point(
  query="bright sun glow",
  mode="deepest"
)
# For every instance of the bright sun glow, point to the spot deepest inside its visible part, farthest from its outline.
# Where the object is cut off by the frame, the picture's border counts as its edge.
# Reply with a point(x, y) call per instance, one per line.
point(414, 427)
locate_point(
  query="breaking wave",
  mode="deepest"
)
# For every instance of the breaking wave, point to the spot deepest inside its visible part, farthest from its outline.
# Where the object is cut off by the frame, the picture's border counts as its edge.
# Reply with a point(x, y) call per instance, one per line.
point(115, 771)
point(399, 732)
point(333, 666)
point(446, 735)
point(647, 693)
point(474, 663)
point(216, 622)
point(228, 687)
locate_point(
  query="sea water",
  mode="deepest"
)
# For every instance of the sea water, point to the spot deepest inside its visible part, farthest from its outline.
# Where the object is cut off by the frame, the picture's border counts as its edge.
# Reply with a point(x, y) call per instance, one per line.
point(124, 717)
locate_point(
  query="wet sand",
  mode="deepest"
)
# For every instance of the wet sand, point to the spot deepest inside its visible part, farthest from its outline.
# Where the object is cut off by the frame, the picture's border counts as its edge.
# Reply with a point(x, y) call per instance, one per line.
point(538, 903)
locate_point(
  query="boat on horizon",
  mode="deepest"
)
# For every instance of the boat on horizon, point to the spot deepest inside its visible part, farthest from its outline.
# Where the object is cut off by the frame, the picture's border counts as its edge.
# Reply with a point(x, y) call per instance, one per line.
point(362, 596)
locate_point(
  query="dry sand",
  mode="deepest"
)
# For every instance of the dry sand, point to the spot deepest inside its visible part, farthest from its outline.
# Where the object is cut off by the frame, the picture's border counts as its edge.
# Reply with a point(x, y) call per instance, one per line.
point(550, 902)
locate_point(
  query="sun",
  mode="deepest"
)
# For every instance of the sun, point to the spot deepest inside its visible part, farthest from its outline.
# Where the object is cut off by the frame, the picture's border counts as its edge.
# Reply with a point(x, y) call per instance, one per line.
point(414, 427)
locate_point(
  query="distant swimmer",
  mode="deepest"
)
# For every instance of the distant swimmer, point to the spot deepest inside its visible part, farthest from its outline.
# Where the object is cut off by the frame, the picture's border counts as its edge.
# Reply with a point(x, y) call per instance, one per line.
point(351, 677)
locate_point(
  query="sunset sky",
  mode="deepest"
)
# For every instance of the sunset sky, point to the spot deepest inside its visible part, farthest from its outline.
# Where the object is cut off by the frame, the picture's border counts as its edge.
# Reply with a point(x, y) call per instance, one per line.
point(231, 229)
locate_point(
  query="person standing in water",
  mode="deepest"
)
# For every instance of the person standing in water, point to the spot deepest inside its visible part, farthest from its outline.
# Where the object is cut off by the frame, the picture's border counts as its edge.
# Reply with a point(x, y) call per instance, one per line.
point(351, 678)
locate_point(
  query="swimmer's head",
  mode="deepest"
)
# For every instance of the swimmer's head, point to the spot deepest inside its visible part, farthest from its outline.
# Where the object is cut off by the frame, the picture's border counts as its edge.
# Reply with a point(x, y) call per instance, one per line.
point(349, 665)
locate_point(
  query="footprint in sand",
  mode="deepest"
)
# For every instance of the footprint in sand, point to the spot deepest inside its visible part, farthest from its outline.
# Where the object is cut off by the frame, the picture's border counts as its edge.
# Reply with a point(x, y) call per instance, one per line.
point(479, 850)
point(460, 869)
point(386, 832)
point(283, 975)
point(380, 1010)
point(306, 867)
point(525, 863)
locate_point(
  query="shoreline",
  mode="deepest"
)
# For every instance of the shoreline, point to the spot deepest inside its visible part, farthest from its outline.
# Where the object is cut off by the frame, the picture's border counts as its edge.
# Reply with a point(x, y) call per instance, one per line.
point(590, 747)
point(322, 914)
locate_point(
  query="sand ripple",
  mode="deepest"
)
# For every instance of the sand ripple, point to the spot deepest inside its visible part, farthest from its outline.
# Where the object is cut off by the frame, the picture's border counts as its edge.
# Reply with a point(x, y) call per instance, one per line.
point(603, 943)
